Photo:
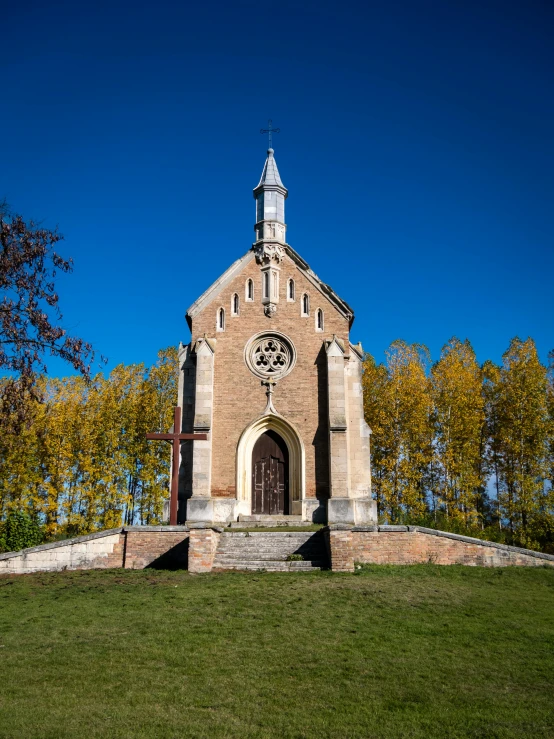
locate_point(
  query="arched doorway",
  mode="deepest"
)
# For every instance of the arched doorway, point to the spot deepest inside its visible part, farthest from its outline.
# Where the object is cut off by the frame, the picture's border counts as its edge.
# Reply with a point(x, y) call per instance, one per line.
point(295, 459)
point(270, 475)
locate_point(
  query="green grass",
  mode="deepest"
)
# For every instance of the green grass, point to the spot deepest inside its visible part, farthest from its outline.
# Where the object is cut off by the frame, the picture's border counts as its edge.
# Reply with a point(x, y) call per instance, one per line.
point(419, 651)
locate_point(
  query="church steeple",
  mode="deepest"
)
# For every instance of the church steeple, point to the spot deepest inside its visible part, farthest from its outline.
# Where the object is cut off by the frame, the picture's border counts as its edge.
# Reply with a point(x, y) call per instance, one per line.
point(270, 228)
point(270, 195)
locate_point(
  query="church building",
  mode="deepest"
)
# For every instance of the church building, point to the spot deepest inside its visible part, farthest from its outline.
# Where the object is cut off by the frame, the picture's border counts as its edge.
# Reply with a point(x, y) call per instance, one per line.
point(271, 377)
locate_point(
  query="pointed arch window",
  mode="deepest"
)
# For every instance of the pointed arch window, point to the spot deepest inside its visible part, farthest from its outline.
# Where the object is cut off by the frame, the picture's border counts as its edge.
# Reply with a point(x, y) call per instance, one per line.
point(235, 305)
point(319, 320)
point(220, 323)
point(305, 306)
point(290, 291)
point(249, 292)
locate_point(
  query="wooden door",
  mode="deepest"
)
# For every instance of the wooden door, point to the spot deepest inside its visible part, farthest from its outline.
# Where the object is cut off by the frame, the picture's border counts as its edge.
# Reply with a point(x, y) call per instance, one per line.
point(270, 475)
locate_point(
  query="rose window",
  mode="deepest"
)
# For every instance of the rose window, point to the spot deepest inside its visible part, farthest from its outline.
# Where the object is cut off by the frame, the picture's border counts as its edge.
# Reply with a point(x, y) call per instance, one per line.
point(270, 355)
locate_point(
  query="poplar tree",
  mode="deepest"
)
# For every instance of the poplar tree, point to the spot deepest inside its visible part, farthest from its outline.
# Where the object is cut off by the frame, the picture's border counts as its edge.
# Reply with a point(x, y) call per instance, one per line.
point(459, 416)
point(398, 408)
point(521, 441)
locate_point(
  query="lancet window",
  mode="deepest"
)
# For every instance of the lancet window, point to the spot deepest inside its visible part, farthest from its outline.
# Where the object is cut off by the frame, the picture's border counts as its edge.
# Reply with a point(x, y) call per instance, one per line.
point(249, 293)
point(319, 320)
point(220, 324)
point(235, 305)
point(305, 305)
point(290, 291)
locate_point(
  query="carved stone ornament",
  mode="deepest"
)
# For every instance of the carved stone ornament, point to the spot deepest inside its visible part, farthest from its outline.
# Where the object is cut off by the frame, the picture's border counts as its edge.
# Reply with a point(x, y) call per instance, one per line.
point(270, 355)
point(265, 253)
point(270, 310)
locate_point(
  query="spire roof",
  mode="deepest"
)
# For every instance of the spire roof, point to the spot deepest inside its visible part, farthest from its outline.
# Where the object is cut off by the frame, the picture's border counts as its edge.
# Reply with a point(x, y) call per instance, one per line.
point(270, 174)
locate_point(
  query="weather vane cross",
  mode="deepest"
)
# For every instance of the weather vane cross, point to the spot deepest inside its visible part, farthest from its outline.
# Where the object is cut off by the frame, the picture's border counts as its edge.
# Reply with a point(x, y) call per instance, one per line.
point(270, 130)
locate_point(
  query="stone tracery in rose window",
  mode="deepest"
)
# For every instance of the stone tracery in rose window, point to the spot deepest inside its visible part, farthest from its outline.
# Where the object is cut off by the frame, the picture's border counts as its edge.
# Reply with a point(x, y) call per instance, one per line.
point(270, 356)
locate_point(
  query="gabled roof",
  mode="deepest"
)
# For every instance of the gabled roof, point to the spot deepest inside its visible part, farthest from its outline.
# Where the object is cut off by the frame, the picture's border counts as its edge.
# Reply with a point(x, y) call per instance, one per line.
point(213, 291)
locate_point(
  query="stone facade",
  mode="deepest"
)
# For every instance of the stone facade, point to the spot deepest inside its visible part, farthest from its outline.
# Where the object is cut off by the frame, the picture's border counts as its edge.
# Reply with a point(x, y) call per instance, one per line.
point(316, 405)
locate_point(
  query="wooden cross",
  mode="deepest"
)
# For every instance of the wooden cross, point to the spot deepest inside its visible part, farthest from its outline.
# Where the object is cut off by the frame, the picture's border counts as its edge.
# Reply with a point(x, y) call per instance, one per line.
point(176, 438)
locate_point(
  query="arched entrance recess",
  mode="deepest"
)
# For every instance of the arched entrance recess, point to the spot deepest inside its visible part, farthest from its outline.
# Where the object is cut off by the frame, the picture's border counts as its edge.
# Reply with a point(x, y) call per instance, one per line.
point(270, 475)
point(296, 462)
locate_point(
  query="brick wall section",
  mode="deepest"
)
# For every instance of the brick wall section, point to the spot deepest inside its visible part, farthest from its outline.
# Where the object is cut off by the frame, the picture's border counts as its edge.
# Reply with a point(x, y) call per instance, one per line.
point(202, 547)
point(401, 545)
point(164, 546)
point(341, 551)
point(301, 396)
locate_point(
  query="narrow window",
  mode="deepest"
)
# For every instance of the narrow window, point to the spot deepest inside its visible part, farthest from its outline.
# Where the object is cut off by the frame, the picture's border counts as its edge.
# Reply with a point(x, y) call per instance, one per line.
point(266, 284)
point(305, 305)
point(221, 319)
point(249, 290)
point(290, 295)
point(235, 305)
point(319, 320)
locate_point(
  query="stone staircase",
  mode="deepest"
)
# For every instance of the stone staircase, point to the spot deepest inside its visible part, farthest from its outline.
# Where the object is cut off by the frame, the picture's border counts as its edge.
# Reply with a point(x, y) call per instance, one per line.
point(268, 550)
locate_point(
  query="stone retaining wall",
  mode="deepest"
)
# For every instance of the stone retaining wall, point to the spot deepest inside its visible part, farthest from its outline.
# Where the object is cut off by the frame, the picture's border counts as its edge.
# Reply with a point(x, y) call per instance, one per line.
point(95, 551)
point(182, 547)
point(402, 545)
point(131, 547)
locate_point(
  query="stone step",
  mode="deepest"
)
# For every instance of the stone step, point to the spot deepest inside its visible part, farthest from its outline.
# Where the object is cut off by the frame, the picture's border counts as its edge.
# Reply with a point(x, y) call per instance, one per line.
point(262, 518)
point(301, 549)
point(270, 565)
point(275, 535)
point(270, 542)
point(266, 524)
point(249, 556)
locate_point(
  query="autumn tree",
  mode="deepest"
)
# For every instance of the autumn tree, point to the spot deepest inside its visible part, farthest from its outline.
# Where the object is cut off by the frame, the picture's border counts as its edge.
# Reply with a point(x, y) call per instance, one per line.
point(30, 317)
point(520, 440)
point(459, 416)
point(398, 409)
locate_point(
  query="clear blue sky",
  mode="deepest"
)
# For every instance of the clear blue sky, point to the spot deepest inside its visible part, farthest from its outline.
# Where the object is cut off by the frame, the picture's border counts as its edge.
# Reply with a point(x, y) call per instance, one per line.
point(420, 135)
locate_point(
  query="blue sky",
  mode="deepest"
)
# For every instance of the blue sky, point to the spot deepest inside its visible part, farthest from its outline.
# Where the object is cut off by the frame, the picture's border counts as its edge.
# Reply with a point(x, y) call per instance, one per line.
point(417, 144)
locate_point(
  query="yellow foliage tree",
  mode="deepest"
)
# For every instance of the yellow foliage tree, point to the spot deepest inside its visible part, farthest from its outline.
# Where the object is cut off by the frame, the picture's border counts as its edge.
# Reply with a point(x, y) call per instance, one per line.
point(398, 409)
point(459, 414)
point(520, 432)
point(84, 463)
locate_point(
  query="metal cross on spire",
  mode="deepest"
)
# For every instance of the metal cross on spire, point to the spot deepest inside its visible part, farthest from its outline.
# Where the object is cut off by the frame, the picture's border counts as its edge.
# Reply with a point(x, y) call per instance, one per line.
point(270, 130)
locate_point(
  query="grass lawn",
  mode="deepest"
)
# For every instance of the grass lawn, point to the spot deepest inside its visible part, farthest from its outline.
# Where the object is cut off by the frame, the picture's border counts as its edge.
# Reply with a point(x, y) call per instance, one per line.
point(419, 651)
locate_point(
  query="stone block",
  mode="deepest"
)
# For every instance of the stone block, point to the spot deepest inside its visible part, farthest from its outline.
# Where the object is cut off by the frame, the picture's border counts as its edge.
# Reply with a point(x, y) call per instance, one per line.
point(340, 510)
point(223, 510)
point(365, 511)
point(200, 509)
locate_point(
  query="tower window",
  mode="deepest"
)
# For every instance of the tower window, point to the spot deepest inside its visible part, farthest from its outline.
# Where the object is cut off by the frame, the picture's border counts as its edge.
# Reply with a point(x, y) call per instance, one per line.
point(235, 305)
point(249, 290)
point(319, 320)
point(266, 284)
point(220, 324)
point(305, 305)
point(290, 291)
